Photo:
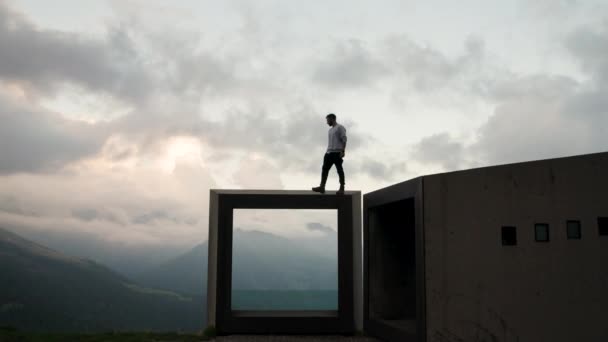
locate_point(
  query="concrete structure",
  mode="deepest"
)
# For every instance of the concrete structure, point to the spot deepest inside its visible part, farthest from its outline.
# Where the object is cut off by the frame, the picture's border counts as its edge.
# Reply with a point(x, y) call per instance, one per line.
point(512, 252)
point(349, 316)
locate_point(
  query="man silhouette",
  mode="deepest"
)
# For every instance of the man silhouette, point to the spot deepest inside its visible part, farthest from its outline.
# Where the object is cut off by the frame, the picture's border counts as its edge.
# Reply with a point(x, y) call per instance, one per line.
point(336, 148)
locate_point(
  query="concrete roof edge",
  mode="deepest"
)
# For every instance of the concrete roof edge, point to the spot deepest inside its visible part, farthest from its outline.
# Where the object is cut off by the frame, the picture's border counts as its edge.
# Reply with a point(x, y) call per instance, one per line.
point(521, 163)
point(279, 191)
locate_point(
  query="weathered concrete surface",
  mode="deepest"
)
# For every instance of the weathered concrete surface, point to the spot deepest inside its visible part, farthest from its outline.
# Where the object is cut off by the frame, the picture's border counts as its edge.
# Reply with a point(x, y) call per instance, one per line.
point(293, 338)
point(350, 256)
point(479, 290)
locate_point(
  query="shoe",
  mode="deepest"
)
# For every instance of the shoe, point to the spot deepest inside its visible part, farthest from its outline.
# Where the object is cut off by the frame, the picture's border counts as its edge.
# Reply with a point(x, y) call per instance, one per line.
point(320, 189)
point(340, 191)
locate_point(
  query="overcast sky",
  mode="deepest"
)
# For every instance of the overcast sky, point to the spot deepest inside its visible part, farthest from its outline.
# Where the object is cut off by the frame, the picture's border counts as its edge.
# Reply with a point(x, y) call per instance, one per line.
point(117, 117)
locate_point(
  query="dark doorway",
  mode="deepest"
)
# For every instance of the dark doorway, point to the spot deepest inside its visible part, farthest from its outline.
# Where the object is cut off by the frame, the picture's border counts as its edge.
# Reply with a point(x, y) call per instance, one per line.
point(392, 266)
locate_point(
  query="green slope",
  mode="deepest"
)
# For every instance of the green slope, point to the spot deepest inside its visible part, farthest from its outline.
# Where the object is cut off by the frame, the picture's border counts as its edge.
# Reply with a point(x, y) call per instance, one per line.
point(44, 290)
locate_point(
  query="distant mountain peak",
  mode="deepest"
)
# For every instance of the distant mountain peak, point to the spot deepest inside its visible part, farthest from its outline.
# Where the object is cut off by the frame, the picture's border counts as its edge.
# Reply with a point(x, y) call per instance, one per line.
point(13, 239)
point(52, 291)
point(255, 232)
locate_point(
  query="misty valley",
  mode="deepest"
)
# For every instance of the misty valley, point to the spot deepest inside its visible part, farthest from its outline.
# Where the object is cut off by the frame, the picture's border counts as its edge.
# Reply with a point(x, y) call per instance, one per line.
point(44, 289)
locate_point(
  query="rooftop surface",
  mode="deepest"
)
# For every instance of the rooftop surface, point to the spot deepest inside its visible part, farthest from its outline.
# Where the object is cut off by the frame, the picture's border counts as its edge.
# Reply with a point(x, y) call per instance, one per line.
point(328, 191)
point(293, 338)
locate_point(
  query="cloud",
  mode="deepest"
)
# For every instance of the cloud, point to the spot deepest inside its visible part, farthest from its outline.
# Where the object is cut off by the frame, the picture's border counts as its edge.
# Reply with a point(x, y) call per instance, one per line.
point(384, 169)
point(534, 124)
point(398, 62)
point(316, 226)
point(183, 74)
point(160, 216)
point(90, 214)
point(33, 139)
point(427, 69)
point(350, 64)
point(252, 101)
point(258, 173)
point(440, 149)
point(294, 140)
point(543, 116)
point(102, 178)
point(590, 46)
point(113, 202)
point(536, 116)
point(44, 59)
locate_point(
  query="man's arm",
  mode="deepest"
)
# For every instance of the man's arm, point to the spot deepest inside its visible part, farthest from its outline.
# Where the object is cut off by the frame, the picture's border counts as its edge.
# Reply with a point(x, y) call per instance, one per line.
point(344, 139)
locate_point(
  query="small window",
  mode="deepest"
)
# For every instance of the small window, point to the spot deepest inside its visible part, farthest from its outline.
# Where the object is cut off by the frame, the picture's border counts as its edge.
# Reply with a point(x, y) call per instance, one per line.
point(541, 232)
point(573, 229)
point(509, 236)
point(602, 223)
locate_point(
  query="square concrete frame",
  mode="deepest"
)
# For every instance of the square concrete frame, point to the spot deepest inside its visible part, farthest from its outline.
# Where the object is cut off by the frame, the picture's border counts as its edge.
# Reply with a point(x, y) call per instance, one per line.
point(349, 316)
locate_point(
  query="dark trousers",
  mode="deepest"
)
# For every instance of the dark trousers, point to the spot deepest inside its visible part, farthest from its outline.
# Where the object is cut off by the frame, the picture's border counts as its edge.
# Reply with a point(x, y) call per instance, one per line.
point(330, 159)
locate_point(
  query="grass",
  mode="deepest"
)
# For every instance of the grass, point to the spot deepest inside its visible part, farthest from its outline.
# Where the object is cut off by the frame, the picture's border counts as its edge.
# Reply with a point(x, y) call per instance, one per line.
point(210, 331)
point(8, 334)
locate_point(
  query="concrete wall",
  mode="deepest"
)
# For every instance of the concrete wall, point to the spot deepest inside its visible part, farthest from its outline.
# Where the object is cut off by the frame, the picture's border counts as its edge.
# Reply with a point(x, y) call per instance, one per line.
point(479, 290)
point(357, 261)
point(349, 316)
point(212, 259)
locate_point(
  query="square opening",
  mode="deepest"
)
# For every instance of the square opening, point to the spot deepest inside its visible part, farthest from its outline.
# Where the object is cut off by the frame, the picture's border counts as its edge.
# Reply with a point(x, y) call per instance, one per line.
point(602, 223)
point(272, 310)
point(509, 236)
point(573, 229)
point(392, 265)
point(285, 259)
point(541, 232)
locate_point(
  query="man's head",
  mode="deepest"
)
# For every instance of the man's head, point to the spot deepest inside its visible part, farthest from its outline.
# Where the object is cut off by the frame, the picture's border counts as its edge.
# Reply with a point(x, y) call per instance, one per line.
point(331, 119)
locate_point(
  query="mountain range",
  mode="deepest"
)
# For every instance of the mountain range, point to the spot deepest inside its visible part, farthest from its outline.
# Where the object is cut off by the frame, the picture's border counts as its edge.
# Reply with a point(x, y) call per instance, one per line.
point(44, 289)
point(261, 261)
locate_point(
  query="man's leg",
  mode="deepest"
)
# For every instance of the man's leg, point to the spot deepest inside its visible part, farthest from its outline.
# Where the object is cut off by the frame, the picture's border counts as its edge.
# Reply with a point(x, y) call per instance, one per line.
point(327, 162)
point(338, 162)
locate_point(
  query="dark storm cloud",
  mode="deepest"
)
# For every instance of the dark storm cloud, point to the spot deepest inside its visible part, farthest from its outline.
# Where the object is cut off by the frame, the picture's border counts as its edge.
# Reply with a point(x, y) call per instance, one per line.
point(44, 59)
point(32, 139)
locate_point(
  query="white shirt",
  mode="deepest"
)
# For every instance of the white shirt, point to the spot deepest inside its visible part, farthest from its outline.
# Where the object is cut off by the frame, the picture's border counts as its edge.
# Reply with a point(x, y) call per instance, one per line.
point(336, 138)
